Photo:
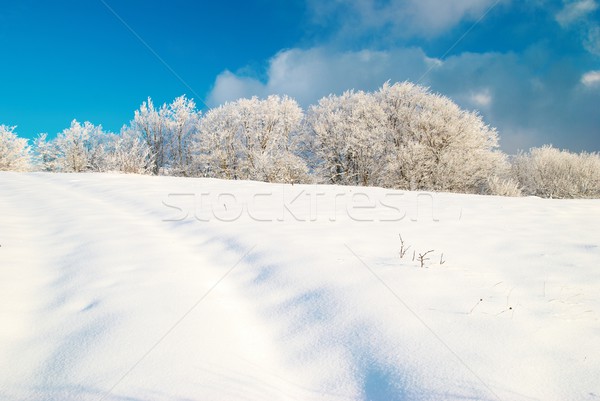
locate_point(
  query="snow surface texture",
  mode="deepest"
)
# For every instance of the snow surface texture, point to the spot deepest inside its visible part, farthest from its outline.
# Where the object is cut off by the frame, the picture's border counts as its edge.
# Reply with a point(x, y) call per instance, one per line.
point(137, 288)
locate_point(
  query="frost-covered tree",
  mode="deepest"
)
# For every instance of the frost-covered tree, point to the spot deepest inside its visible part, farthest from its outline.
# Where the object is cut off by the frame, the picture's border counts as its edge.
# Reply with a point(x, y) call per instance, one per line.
point(403, 136)
point(152, 125)
point(14, 152)
point(46, 153)
point(101, 147)
point(269, 134)
point(130, 154)
point(83, 147)
point(432, 144)
point(73, 148)
point(217, 149)
point(167, 130)
point(251, 139)
point(347, 143)
point(183, 120)
point(552, 173)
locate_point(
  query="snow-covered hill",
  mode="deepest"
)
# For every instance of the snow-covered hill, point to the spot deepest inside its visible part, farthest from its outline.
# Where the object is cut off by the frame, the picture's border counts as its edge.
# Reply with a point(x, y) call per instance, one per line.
point(118, 287)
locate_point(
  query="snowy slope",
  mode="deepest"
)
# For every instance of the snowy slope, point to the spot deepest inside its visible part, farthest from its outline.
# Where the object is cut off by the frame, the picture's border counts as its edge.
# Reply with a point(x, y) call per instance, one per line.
point(120, 287)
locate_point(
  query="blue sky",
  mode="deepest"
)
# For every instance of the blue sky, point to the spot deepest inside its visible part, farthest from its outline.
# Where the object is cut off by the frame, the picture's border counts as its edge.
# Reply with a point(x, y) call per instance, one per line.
point(531, 68)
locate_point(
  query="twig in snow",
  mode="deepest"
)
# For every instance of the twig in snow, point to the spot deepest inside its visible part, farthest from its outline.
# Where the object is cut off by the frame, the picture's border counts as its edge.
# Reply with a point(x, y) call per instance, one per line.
point(475, 306)
point(508, 296)
point(510, 308)
point(422, 257)
point(403, 249)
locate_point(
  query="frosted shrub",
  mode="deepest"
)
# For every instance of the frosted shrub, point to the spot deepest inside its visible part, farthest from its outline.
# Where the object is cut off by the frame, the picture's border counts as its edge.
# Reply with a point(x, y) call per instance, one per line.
point(552, 173)
point(496, 185)
point(14, 151)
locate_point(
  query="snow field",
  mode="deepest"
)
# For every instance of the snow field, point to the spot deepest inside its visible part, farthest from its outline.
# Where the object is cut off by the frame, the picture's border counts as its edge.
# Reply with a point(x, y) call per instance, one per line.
point(122, 287)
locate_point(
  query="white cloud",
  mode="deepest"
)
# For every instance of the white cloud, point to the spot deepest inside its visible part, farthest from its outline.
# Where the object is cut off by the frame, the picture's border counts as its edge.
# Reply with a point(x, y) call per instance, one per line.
point(308, 75)
point(591, 78)
point(575, 11)
point(439, 16)
point(592, 40)
point(229, 86)
point(402, 18)
point(579, 16)
point(481, 99)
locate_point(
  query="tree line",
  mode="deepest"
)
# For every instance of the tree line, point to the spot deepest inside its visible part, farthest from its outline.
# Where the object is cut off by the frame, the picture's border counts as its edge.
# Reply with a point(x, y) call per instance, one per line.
point(401, 136)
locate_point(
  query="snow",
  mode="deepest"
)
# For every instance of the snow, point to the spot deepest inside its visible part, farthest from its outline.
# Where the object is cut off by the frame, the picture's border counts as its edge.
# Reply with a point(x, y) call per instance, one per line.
point(124, 287)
